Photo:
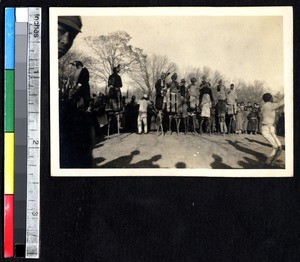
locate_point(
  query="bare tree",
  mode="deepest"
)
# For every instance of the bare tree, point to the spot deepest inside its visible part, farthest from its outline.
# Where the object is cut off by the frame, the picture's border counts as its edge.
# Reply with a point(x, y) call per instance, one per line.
point(205, 72)
point(192, 72)
point(110, 50)
point(251, 92)
point(215, 78)
point(65, 68)
point(148, 71)
point(159, 64)
point(239, 84)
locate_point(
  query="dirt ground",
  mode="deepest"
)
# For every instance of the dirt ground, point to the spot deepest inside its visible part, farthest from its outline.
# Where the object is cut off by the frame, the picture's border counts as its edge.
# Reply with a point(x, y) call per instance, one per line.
point(130, 150)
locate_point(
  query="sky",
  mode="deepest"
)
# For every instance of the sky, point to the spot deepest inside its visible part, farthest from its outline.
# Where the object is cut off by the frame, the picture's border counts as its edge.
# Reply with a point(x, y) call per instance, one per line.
point(240, 47)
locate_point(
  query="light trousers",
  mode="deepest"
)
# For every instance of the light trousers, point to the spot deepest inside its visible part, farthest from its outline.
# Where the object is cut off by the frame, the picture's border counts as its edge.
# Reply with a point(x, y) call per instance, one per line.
point(268, 132)
point(142, 119)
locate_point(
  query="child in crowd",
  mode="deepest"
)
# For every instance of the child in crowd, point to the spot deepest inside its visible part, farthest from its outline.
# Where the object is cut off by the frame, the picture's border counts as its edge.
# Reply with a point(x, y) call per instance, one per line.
point(249, 105)
point(222, 123)
point(253, 119)
point(268, 128)
point(239, 118)
point(142, 117)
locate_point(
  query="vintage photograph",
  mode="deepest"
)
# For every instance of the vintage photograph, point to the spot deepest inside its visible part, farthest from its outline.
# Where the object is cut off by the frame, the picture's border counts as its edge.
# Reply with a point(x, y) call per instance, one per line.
point(169, 91)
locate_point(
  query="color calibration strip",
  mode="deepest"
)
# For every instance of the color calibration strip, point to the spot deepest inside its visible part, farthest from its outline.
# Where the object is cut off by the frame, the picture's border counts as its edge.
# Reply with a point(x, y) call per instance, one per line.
point(9, 129)
point(22, 132)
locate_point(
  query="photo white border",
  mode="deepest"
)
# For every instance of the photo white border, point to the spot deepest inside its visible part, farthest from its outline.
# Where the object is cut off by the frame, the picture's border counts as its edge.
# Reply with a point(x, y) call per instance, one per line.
point(286, 12)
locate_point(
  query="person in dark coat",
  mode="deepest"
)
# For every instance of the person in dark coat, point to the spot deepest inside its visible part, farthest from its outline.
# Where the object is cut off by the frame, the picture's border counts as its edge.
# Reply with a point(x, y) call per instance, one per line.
point(205, 88)
point(114, 79)
point(182, 88)
point(114, 85)
point(82, 85)
point(131, 114)
point(159, 86)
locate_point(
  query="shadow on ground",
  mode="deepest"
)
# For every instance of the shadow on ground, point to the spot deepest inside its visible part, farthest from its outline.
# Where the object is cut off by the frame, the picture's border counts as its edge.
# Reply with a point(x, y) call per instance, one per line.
point(150, 163)
point(258, 142)
point(218, 163)
point(249, 163)
point(125, 161)
point(122, 161)
point(98, 160)
point(180, 165)
point(262, 143)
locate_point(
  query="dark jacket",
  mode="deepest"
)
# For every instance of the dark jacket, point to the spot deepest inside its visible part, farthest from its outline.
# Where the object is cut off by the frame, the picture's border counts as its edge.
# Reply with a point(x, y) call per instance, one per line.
point(84, 90)
point(205, 89)
point(115, 80)
point(159, 96)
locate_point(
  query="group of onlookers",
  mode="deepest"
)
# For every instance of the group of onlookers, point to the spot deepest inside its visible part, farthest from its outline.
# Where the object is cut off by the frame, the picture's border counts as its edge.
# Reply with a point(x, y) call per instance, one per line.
point(195, 103)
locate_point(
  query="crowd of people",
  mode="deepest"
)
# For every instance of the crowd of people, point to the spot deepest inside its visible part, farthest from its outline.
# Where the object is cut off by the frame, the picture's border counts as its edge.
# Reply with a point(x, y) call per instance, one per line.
point(192, 105)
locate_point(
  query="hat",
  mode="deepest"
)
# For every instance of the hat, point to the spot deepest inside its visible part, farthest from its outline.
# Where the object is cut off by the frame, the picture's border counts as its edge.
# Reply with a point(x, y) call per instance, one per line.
point(71, 21)
point(78, 63)
point(145, 96)
point(182, 81)
point(117, 67)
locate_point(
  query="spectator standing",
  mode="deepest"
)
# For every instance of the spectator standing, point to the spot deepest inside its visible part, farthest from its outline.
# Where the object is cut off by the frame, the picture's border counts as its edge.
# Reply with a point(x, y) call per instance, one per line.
point(231, 103)
point(246, 113)
point(222, 105)
point(239, 118)
point(253, 119)
point(142, 117)
point(131, 114)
